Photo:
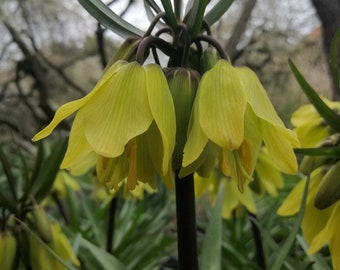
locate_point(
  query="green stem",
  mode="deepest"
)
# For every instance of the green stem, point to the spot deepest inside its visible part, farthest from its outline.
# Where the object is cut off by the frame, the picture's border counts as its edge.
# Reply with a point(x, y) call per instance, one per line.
point(186, 223)
point(111, 225)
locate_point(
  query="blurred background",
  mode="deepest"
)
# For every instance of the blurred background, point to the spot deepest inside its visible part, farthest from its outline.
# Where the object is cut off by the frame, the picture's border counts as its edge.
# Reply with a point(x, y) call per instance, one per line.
point(53, 53)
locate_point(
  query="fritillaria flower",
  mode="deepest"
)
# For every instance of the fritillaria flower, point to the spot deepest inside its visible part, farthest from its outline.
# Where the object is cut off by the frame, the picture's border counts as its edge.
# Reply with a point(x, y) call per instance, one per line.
point(128, 120)
point(232, 116)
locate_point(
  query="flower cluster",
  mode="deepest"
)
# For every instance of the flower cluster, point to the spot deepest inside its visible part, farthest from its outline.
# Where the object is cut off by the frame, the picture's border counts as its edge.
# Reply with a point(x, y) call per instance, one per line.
point(142, 120)
point(321, 218)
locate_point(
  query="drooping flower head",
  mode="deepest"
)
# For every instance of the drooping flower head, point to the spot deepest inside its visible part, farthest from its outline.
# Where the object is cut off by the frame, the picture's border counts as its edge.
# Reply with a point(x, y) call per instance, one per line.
point(128, 120)
point(232, 116)
point(321, 217)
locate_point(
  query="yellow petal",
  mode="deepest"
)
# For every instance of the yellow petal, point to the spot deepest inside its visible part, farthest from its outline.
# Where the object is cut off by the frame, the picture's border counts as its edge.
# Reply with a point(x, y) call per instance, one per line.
point(334, 243)
point(84, 164)
point(162, 109)
point(291, 204)
point(257, 97)
point(269, 176)
point(78, 147)
point(280, 142)
point(197, 140)
point(155, 147)
point(312, 133)
point(62, 247)
point(63, 112)
point(304, 115)
point(119, 112)
point(328, 232)
point(146, 171)
point(251, 146)
point(67, 109)
point(246, 199)
point(313, 215)
point(112, 171)
point(222, 104)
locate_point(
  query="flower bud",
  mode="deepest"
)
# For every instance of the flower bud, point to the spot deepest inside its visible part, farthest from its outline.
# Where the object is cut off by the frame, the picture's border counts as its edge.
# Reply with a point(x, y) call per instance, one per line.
point(209, 59)
point(183, 85)
point(8, 249)
point(329, 188)
point(42, 223)
point(309, 161)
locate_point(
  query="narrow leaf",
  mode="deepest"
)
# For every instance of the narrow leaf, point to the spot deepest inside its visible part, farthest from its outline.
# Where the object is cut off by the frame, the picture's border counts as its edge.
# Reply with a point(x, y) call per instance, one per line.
point(67, 265)
point(44, 180)
point(322, 151)
point(331, 118)
point(96, 258)
point(211, 252)
point(196, 15)
point(216, 12)
point(110, 19)
point(169, 14)
point(292, 236)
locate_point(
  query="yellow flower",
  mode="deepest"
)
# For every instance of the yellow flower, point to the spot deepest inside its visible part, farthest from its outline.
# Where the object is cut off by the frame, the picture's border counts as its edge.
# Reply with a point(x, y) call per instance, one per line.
point(319, 227)
point(231, 116)
point(309, 124)
point(103, 194)
point(233, 199)
point(267, 178)
point(63, 180)
point(42, 259)
point(128, 120)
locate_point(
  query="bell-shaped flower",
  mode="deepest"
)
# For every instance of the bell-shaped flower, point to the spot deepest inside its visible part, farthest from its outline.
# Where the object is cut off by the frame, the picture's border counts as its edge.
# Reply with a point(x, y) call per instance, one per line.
point(309, 125)
point(41, 258)
point(319, 227)
point(128, 120)
point(231, 117)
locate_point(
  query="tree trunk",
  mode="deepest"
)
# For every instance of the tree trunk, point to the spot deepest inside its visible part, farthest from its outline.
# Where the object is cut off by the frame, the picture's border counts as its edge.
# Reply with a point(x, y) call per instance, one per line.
point(329, 14)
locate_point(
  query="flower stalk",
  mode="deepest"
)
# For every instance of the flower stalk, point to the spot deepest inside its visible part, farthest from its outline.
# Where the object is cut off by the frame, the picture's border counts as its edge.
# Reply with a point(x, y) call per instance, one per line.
point(186, 223)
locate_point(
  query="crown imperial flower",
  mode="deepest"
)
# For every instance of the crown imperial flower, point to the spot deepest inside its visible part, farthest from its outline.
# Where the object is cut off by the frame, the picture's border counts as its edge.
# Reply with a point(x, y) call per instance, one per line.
point(128, 113)
point(231, 116)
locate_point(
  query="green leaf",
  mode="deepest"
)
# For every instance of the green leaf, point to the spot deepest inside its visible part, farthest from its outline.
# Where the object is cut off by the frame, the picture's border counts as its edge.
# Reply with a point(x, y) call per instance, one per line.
point(44, 180)
point(97, 258)
point(334, 60)
point(331, 118)
point(169, 14)
point(196, 17)
point(211, 252)
point(110, 19)
point(319, 262)
point(281, 257)
point(322, 151)
point(216, 12)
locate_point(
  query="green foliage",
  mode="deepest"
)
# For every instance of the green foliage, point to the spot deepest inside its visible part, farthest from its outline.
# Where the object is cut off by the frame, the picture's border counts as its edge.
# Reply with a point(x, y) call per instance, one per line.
point(110, 19)
point(331, 117)
point(212, 242)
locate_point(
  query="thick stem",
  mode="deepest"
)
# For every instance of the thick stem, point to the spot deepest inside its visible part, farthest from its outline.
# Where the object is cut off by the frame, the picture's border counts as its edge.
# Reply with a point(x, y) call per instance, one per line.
point(186, 223)
point(111, 225)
